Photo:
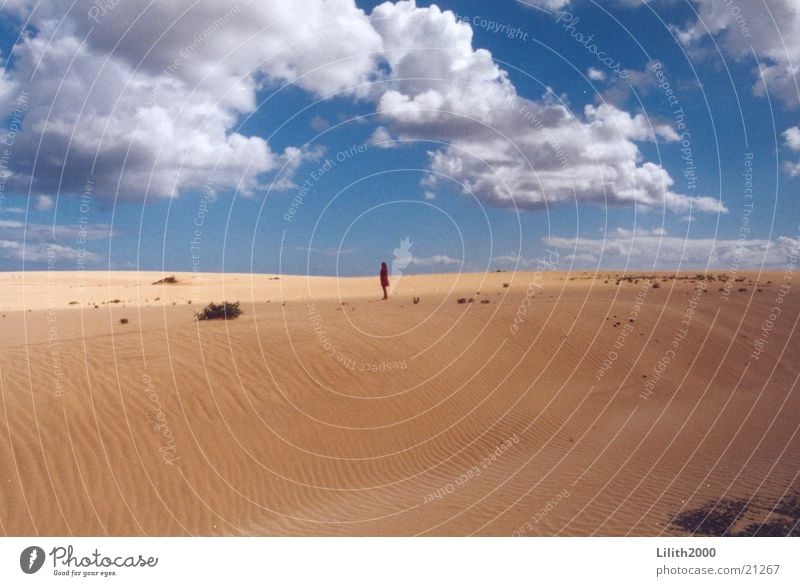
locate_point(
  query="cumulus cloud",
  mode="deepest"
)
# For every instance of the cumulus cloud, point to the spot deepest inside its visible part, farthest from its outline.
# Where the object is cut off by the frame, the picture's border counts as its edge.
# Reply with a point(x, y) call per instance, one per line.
point(595, 74)
point(656, 248)
point(503, 148)
point(791, 138)
point(147, 101)
point(44, 202)
point(548, 262)
point(323, 46)
point(381, 138)
point(618, 90)
point(32, 232)
point(546, 4)
point(771, 28)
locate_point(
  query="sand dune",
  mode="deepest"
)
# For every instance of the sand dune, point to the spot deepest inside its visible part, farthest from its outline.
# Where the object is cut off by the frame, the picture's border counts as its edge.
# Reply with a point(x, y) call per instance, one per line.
point(543, 404)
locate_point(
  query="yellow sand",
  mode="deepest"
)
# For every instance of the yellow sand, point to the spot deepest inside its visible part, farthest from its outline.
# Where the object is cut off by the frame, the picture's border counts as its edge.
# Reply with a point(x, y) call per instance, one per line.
point(325, 411)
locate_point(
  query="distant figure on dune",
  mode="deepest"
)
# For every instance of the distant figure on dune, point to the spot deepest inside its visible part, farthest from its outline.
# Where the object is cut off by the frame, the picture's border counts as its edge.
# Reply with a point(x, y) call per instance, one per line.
point(384, 279)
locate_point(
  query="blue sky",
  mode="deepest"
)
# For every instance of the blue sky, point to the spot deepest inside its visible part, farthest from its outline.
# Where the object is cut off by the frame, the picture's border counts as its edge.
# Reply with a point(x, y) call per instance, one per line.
point(312, 137)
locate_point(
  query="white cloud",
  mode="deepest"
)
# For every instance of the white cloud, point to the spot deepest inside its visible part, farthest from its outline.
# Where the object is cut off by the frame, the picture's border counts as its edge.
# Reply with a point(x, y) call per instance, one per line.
point(646, 249)
point(549, 261)
point(437, 259)
point(595, 74)
point(381, 138)
point(510, 260)
point(791, 138)
point(791, 168)
point(149, 103)
point(619, 90)
point(503, 148)
point(324, 46)
point(429, 195)
point(771, 28)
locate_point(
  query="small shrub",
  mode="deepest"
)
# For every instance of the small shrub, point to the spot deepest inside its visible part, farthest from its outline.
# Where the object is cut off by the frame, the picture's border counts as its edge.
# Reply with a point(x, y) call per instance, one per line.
point(505, 285)
point(462, 300)
point(416, 300)
point(166, 280)
point(123, 321)
point(656, 285)
point(224, 310)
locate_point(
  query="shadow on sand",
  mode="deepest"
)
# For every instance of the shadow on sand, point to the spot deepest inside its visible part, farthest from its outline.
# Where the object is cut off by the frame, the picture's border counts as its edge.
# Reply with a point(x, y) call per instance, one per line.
point(743, 518)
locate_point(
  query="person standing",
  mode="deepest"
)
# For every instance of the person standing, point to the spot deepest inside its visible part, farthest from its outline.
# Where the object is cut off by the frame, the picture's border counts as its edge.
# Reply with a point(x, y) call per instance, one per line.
point(384, 279)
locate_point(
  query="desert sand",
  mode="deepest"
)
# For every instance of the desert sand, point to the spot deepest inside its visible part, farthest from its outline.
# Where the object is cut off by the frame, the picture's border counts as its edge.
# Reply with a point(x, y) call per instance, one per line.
point(541, 404)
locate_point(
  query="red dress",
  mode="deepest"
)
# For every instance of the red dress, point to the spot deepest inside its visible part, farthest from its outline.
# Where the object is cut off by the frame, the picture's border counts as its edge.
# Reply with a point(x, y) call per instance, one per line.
point(384, 277)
